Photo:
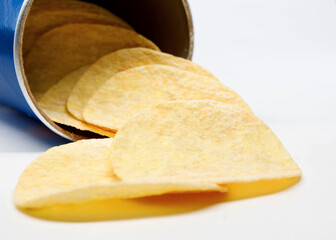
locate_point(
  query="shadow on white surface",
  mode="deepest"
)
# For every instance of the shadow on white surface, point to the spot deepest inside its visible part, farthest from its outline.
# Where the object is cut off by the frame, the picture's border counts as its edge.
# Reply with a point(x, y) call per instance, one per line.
point(20, 133)
point(155, 206)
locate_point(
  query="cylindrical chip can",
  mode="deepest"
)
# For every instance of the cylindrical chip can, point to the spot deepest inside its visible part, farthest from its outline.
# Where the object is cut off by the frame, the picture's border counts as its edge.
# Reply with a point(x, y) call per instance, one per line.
point(167, 23)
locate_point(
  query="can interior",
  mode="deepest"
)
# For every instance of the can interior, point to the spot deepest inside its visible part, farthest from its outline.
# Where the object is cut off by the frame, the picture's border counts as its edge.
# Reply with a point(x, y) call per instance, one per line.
point(167, 23)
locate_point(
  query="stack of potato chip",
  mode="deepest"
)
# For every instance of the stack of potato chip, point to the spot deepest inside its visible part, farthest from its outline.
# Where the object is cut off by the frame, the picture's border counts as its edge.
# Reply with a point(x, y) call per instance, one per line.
point(178, 128)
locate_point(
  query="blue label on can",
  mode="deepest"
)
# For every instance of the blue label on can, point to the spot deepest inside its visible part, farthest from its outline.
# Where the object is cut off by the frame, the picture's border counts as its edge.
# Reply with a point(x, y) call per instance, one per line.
point(10, 91)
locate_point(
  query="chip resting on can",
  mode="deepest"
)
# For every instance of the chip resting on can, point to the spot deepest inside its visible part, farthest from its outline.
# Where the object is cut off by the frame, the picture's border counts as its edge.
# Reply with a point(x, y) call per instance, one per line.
point(133, 90)
point(69, 47)
point(53, 103)
point(200, 140)
point(118, 61)
point(40, 22)
point(82, 171)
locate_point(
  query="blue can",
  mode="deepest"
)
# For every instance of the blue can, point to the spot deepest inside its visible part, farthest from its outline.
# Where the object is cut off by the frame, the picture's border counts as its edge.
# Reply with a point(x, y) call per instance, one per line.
point(167, 23)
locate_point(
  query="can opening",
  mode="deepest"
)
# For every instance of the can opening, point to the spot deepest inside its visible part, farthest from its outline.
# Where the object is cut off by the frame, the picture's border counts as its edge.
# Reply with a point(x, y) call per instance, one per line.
point(167, 23)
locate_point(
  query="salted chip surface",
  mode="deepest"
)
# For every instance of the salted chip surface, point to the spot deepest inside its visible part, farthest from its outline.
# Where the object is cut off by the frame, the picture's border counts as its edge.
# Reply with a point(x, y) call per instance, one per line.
point(82, 171)
point(118, 61)
point(40, 22)
point(69, 47)
point(133, 90)
point(200, 140)
point(53, 103)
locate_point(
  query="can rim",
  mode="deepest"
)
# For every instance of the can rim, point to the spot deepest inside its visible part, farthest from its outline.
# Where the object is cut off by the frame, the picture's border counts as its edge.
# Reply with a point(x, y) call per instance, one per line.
point(23, 83)
point(190, 28)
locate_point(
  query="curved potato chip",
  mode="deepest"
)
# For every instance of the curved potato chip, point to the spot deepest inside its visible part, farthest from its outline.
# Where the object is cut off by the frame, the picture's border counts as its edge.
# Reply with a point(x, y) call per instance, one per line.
point(53, 103)
point(82, 171)
point(131, 91)
point(200, 140)
point(118, 61)
point(41, 22)
point(69, 47)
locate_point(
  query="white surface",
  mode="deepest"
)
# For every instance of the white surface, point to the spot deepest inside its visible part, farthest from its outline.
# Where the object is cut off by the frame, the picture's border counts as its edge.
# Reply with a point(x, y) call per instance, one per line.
point(281, 57)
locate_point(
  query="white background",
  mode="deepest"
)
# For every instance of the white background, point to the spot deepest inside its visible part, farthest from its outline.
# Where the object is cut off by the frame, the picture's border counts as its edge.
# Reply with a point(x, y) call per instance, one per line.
point(280, 56)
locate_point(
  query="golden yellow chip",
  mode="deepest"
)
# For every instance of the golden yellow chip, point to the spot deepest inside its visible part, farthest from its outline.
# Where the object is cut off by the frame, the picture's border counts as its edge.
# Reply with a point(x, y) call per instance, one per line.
point(53, 103)
point(82, 171)
point(200, 140)
point(131, 91)
point(40, 22)
point(69, 47)
point(121, 60)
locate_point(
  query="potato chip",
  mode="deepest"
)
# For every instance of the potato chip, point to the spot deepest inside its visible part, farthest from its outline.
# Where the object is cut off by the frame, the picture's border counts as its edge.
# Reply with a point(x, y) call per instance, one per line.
point(82, 171)
point(197, 141)
point(131, 91)
point(121, 60)
point(41, 22)
point(53, 103)
point(69, 47)
point(71, 5)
